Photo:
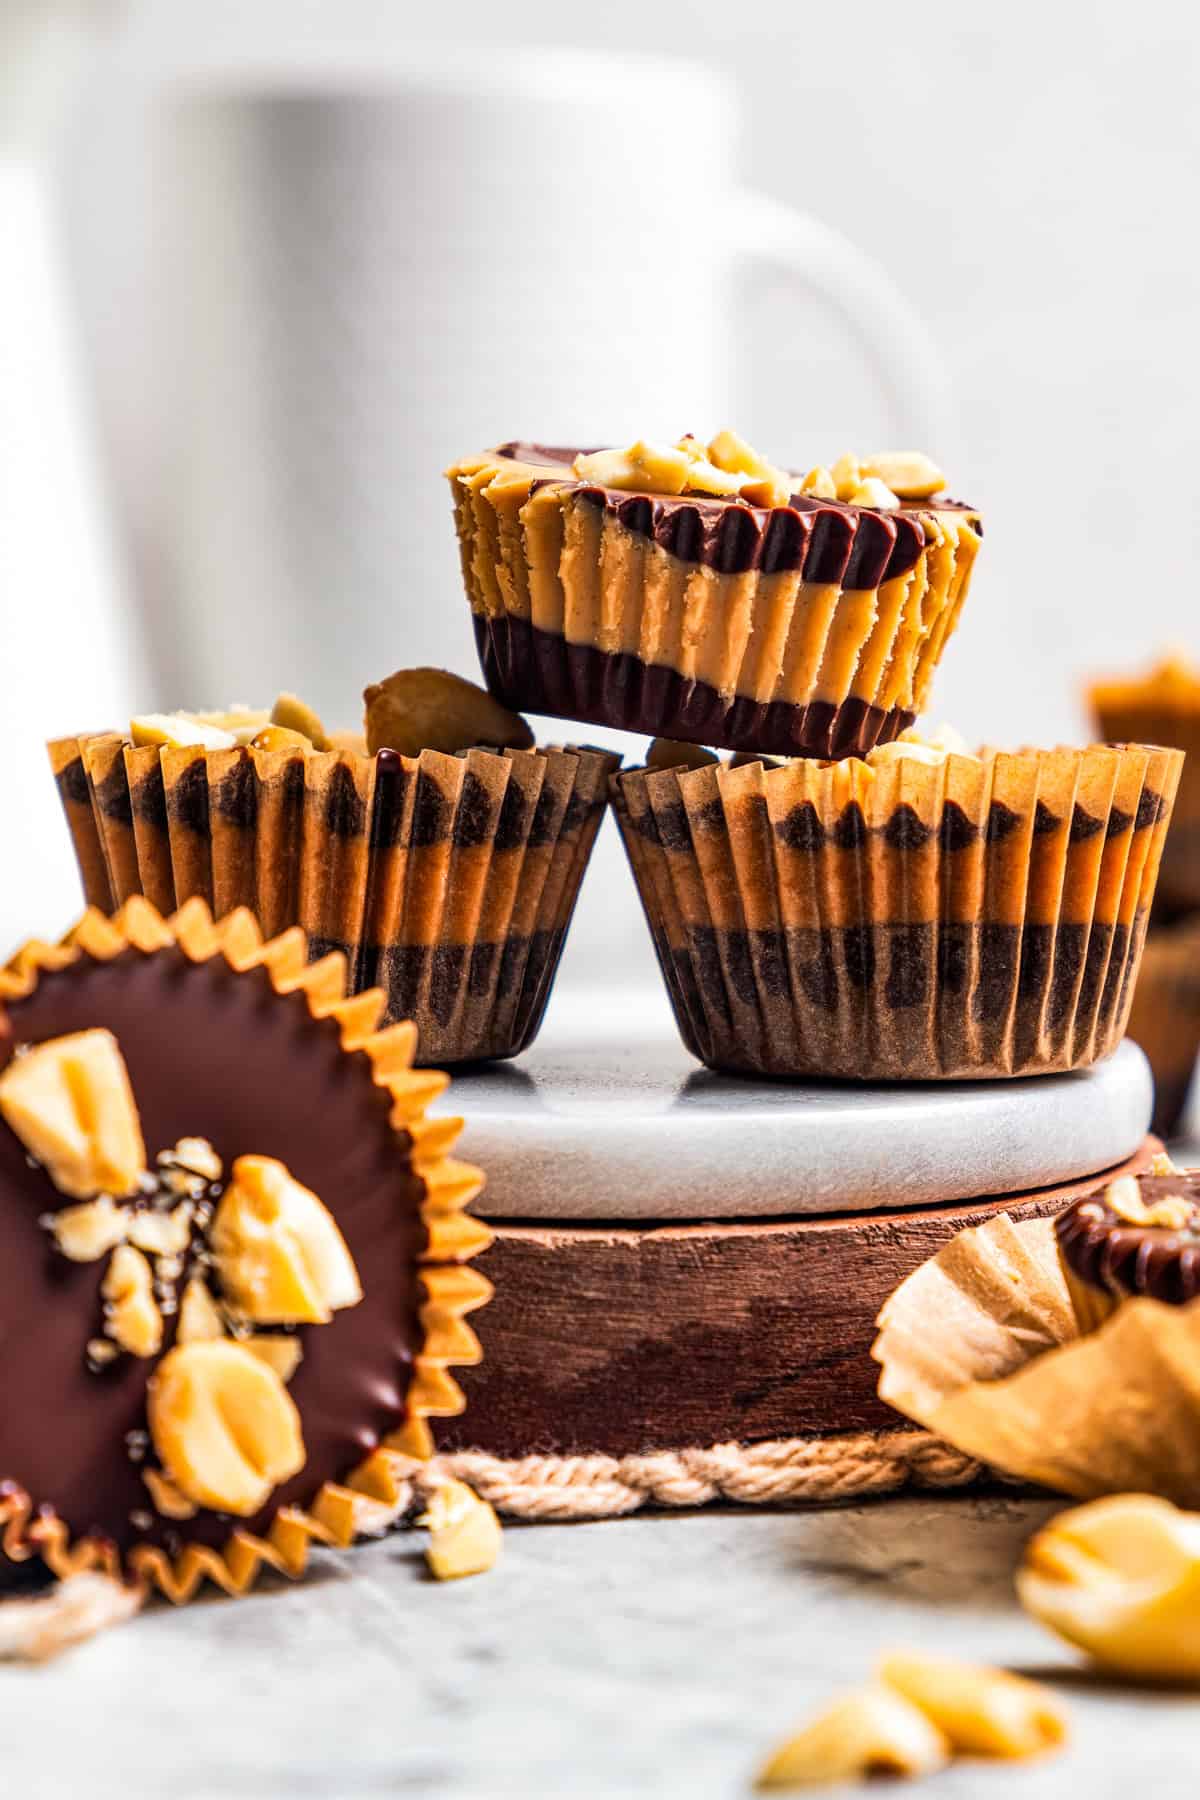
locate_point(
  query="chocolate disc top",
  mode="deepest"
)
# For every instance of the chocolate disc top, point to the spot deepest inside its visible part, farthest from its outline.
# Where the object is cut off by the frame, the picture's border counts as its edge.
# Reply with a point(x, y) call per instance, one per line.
point(1109, 1250)
point(216, 1055)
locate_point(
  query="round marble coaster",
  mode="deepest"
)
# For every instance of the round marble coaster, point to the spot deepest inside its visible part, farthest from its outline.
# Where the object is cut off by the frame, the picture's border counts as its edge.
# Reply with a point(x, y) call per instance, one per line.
point(609, 1118)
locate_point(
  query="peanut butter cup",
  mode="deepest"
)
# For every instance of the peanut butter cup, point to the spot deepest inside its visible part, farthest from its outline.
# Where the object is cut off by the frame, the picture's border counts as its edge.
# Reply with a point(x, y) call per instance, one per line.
point(1140, 1235)
point(701, 594)
point(233, 1252)
point(445, 876)
point(1163, 707)
point(917, 915)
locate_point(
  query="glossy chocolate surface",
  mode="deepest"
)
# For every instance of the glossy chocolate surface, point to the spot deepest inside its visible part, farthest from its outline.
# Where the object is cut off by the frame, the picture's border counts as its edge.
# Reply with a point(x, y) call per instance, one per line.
point(1106, 1252)
point(827, 541)
point(218, 1055)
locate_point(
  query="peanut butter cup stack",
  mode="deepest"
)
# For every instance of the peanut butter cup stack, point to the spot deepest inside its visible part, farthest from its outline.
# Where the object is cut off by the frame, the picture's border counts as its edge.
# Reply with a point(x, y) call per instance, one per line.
point(445, 873)
point(700, 593)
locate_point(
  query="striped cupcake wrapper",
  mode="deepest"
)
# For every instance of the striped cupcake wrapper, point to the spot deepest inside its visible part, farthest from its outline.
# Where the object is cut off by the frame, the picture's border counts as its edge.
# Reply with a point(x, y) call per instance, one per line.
point(977, 918)
point(449, 881)
point(1150, 723)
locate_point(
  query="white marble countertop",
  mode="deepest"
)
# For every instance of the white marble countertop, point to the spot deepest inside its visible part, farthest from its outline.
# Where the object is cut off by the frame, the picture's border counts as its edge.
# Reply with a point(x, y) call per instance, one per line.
point(656, 1656)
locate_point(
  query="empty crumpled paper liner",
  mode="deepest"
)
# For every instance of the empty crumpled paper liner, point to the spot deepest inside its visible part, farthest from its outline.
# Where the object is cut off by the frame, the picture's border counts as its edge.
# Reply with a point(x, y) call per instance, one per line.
point(980, 1346)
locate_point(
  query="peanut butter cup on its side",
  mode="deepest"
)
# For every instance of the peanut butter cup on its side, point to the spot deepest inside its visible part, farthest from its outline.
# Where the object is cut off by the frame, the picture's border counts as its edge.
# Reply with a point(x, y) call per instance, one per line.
point(700, 593)
point(233, 1253)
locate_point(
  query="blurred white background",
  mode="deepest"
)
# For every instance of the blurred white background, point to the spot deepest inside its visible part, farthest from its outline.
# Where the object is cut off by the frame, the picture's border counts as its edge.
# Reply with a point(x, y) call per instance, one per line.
point(1025, 175)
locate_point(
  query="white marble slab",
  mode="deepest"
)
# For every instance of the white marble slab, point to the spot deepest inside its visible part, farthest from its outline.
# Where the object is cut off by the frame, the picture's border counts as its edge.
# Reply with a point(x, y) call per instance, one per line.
point(658, 1657)
point(608, 1117)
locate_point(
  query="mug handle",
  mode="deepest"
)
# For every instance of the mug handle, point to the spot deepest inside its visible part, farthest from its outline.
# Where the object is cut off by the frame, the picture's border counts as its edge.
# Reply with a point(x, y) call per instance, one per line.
point(824, 262)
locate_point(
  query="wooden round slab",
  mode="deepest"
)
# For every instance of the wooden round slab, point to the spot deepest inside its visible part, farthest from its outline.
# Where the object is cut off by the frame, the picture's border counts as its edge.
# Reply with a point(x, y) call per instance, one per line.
point(626, 1340)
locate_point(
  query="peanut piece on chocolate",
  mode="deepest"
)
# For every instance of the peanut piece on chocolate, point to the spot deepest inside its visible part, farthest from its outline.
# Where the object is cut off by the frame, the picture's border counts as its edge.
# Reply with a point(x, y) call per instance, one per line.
point(762, 483)
point(1120, 1579)
point(277, 1250)
point(909, 473)
point(196, 1155)
point(819, 484)
point(979, 1711)
point(70, 1103)
point(199, 1319)
point(846, 475)
point(290, 713)
point(464, 1532)
point(178, 731)
point(876, 494)
point(162, 1233)
point(280, 737)
point(241, 722)
point(1124, 1196)
point(278, 1351)
point(166, 1497)
point(872, 1731)
point(643, 468)
point(430, 709)
point(223, 1426)
point(915, 746)
point(87, 1232)
point(729, 451)
point(704, 478)
point(132, 1318)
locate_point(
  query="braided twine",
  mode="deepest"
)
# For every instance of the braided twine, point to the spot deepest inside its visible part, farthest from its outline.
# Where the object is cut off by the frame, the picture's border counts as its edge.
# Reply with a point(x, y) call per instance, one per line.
point(853, 1466)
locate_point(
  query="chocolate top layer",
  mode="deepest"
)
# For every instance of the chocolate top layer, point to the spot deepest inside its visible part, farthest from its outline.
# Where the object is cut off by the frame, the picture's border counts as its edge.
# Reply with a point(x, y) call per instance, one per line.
point(826, 540)
point(220, 1055)
point(1105, 1251)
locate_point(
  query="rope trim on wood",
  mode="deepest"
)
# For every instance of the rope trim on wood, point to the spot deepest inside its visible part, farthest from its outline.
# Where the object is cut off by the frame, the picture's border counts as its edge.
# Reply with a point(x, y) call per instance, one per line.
point(854, 1466)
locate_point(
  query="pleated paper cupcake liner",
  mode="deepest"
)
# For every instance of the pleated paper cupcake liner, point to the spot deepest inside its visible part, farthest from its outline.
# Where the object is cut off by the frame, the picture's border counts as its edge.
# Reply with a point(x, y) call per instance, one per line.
point(449, 881)
point(810, 629)
point(980, 1346)
point(979, 917)
point(1124, 719)
point(1165, 1016)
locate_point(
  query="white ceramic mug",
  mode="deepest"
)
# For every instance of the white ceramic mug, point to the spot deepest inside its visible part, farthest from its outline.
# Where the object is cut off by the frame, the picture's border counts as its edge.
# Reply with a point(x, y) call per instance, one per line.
point(374, 273)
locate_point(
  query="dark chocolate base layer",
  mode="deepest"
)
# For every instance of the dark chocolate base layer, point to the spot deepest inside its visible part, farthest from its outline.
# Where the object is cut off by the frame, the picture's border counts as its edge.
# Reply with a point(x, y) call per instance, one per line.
point(538, 671)
point(1104, 1252)
point(901, 1002)
point(218, 1055)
